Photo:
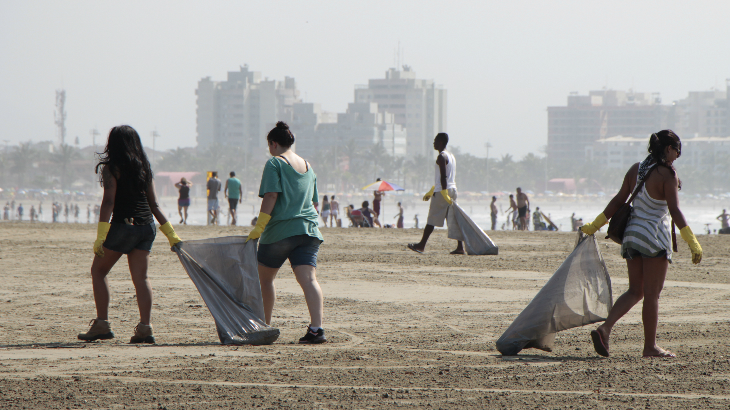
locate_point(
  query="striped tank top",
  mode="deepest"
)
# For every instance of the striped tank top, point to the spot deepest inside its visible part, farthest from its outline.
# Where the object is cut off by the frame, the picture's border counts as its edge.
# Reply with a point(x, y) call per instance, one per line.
point(648, 227)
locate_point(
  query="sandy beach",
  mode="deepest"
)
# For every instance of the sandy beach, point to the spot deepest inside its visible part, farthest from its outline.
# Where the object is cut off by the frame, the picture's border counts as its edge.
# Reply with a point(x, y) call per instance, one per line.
point(404, 329)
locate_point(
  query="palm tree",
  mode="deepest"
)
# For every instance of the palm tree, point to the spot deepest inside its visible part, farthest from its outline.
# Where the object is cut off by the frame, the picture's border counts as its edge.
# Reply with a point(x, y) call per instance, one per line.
point(22, 158)
point(63, 157)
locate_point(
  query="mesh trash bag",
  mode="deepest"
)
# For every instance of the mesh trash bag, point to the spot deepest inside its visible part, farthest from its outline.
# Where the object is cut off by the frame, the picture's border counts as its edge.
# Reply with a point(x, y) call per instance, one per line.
point(578, 293)
point(462, 228)
point(226, 274)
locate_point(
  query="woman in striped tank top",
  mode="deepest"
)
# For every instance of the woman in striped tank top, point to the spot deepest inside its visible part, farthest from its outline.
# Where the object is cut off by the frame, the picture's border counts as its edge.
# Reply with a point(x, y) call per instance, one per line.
point(647, 246)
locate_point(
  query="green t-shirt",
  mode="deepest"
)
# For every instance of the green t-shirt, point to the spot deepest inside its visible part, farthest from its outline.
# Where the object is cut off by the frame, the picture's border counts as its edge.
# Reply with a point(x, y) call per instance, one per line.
point(234, 188)
point(294, 212)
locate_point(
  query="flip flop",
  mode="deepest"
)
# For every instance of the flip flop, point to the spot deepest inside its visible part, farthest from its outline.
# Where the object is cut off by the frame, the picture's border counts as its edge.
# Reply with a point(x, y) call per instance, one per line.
point(412, 246)
point(598, 344)
point(457, 253)
point(666, 355)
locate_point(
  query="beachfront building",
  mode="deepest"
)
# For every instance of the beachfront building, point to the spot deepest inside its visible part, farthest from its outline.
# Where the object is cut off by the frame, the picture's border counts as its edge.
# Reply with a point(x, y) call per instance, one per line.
point(608, 113)
point(621, 152)
point(242, 109)
point(418, 106)
point(601, 114)
point(361, 127)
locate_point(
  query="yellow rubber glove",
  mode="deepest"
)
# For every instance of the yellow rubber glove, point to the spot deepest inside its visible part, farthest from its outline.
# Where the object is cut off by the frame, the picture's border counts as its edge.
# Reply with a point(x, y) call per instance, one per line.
point(445, 194)
point(694, 246)
point(260, 225)
point(594, 226)
point(429, 194)
point(101, 230)
point(169, 231)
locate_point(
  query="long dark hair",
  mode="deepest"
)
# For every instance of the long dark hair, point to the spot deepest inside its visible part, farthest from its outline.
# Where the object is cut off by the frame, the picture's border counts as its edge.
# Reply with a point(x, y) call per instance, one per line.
point(125, 158)
point(658, 142)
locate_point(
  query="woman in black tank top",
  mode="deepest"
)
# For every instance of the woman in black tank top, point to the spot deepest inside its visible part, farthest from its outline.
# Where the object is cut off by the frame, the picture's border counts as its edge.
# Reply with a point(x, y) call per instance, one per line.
point(130, 202)
point(183, 202)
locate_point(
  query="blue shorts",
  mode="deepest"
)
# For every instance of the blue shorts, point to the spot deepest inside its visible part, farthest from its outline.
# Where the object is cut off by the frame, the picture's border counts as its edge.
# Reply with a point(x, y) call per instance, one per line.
point(124, 238)
point(300, 250)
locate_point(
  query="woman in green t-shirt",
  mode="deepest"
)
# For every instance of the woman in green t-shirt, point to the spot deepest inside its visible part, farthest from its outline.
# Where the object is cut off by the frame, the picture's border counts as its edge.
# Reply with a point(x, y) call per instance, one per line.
point(288, 229)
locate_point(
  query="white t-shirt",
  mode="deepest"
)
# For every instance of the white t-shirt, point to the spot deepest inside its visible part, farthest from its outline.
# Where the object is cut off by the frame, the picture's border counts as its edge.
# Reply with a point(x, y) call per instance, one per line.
point(450, 173)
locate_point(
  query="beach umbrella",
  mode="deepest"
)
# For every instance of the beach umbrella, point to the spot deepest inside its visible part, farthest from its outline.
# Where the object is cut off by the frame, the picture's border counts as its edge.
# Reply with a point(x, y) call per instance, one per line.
point(383, 186)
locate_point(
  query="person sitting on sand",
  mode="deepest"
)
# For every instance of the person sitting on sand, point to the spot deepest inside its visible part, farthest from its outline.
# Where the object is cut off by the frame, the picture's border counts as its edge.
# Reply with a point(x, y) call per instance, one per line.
point(288, 228)
point(445, 185)
point(368, 213)
point(130, 201)
point(646, 244)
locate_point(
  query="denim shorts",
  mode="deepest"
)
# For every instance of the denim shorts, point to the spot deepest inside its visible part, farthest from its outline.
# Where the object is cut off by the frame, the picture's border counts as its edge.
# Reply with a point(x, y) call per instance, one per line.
point(300, 250)
point(124, 238)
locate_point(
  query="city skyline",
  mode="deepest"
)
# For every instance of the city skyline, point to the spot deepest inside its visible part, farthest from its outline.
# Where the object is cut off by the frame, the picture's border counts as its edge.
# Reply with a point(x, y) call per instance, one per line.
point(503, 64)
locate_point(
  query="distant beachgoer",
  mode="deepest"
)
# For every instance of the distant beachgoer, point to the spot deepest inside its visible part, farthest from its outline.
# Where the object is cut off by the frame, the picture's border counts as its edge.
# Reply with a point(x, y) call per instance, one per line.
point(20, 212)
point(287, 228)
point(77, 212)
point(523, 206)
point(512, 212)
point(573, 225)
point(368, 213)
point(724, 219)
point(647, 244)
point(6, 211)
point(378, 196)
point(445, 185)
point(537, 223)
point(183, 200)
point(214, 186)
point(88, 213)
point(40, 208)
point(399, 224)
point(415, 219)
point(233, 192)
point(32, 213)
point(495, 211)
point(131, 204)
point(325, 213)
point(65, 211)
point(334, 212)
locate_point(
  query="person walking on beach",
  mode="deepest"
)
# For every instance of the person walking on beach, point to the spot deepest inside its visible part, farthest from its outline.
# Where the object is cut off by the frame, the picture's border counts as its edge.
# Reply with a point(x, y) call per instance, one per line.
point(647, 243)
point(131, 203)
point(232, 191)
point(183, 200)
point(325, 213)
point(88, 213)
point(214, 186)
point(512, 214)
point(495, 211)
point(523, 206)
point(445, 185)
point(32, 213)
point(20, 212)
point(399, 224)
point(6, 212)
point(287, 228)
point(334, 212)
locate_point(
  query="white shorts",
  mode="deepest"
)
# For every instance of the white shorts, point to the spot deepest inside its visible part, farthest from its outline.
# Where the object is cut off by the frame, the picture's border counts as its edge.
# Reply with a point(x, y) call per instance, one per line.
point(325, 214)
point(335, 213)
point(439, 208)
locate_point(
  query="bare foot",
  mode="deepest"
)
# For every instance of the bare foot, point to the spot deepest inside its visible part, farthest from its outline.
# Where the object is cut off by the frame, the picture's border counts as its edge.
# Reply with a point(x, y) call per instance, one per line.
point(657, 351)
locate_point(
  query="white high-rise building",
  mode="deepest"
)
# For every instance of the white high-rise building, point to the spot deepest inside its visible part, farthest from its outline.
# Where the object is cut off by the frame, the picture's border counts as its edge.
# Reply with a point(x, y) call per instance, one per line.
point(419, 106)
point(241, 110)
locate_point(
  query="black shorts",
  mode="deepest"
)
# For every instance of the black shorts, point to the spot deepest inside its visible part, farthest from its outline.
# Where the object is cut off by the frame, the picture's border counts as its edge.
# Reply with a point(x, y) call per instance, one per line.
point(522, 211)
point(125, 238)
point(233, 203)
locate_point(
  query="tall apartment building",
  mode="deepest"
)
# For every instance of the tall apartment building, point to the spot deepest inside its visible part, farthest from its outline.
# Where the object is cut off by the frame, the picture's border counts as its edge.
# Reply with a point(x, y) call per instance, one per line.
point(419, 106)
point(241, 110)
point(362, 123)
point(574, 128)
point(601, 114)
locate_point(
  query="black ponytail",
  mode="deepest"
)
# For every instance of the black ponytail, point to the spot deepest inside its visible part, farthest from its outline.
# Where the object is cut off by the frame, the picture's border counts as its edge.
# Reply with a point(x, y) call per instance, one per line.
point(658, 142)
point(281, 135)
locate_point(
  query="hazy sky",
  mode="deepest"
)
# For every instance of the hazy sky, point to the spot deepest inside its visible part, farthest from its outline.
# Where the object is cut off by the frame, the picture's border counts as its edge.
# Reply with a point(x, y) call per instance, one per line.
point(502, 62)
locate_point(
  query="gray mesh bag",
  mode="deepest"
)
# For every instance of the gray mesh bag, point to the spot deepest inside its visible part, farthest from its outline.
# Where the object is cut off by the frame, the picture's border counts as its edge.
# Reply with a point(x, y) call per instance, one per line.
point(226, 274)
point(578, 293)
